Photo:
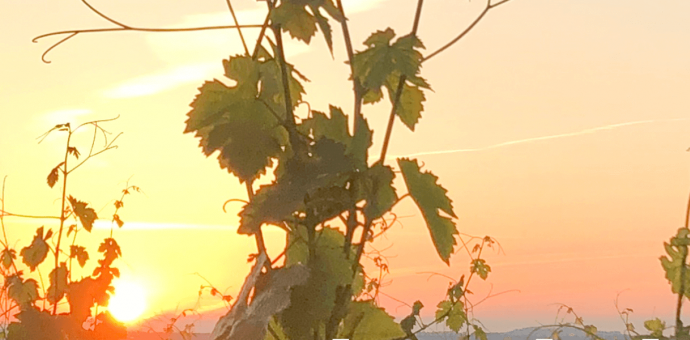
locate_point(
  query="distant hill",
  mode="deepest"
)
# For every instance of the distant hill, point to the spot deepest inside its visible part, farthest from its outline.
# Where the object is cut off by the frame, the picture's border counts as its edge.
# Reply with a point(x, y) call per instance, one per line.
point(523, 333)
point(518, 334)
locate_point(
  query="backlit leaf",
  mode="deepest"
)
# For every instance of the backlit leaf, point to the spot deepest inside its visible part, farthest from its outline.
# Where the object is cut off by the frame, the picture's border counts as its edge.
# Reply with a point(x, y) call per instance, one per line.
point(656, 326)
point(58, 283)
point(673, 263)
point(378, 190)
point(479, 333)
point(453, 313)
point(365, 321)
point(79, 253)
point(36, 252)
point(54, 174)
point(410, 105)
point(295, 19)
point(73, 151)
point(87, 216)
point(431, 197)
point(8, 256)
point(480, 267)
point(22, 292)
point(245, 122)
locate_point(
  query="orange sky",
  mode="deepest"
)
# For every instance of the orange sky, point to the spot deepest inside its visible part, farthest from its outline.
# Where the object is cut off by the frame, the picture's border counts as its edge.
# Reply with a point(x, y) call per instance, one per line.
point(581, 215)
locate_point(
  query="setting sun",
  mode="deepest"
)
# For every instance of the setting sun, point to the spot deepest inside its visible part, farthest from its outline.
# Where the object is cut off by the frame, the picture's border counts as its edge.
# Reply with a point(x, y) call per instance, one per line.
point(128, 302)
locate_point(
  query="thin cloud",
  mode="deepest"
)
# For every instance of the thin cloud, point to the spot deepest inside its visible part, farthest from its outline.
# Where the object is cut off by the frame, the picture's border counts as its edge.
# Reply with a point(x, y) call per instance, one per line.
point(62, 116)
point(163, 81)
point(536, 139)
point(195, 50)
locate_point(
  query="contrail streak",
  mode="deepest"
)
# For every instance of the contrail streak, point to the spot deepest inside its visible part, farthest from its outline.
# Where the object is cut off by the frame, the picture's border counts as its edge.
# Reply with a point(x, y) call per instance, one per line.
point(535, 139)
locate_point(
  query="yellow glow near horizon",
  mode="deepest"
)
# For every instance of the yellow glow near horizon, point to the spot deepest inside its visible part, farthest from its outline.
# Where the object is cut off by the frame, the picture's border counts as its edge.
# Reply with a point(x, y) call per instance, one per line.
point(129, 301)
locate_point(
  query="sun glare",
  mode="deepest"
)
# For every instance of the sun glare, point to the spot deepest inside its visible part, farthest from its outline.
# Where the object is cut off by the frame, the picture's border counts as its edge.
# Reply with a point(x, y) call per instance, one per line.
point(128, 302)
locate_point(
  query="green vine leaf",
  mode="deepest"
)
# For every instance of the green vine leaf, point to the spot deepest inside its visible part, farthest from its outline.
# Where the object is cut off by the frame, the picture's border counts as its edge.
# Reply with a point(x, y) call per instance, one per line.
point(376, 186)
point(479, 333)
point(293, 17)
point(656, 326)
point(410, 105)
point(8, 256)
point(58, 283)
point(453, 313)
point(408, 323)
point(365, 320)
point(383, 63)
point(480, 267)
point(37, 251)
point(673, 263)
point(297, 180)
point(431, 197)
point(336, 128)
point(87, 216)
point(245, 122)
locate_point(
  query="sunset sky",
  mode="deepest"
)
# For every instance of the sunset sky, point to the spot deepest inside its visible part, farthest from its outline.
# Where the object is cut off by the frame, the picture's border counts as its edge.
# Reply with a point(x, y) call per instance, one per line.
point(559, 127)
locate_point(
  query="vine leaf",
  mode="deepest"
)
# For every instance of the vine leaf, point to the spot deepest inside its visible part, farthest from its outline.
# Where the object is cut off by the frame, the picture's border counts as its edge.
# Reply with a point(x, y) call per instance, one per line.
point(410, 321)
point(87, 216)
point(410, 105)
point(293, 17)
point(110, 249)
point(54, 174)
point(22, 292)
point(297, 180)
point(244, 122)
point(383, 63)
point(378, 190)
point(73, 151)
point(480, 267)
point(431, 197)
point(365, 320)
point(79, 253)
point(336, 128)
point(656, 326)
point(479, 333)
point(673, 263)
point(36, 252)
point(8, 256)
point(83, 294)
point(453, 313)
point(58, 283)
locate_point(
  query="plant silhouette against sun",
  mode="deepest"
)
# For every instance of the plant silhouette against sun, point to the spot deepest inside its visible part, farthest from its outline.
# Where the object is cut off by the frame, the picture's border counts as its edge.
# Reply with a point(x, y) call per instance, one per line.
point(327, 195)
point(29, 310)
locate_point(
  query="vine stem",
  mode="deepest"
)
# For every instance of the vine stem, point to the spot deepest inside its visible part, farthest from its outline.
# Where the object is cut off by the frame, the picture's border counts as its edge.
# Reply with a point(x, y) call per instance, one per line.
point(398, 92)
point(488, 7)
point(239, 29)
point(681, 291)
point(65, 174)
point(351, 57)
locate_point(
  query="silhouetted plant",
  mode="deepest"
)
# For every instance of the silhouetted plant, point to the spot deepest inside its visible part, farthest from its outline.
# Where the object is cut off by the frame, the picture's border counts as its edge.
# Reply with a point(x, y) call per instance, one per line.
point(30, 311)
